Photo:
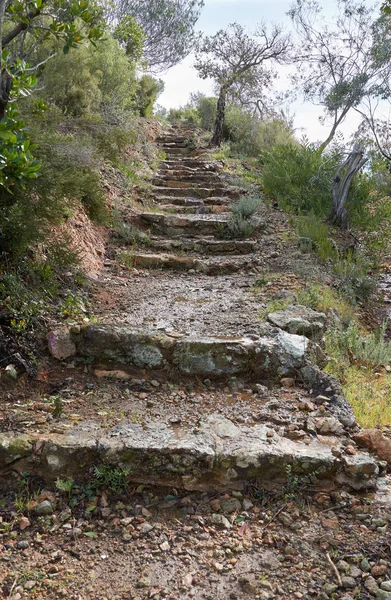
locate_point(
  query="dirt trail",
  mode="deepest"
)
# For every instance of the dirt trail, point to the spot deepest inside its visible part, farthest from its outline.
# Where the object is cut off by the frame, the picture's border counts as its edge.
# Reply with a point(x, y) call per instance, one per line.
point(181, 385)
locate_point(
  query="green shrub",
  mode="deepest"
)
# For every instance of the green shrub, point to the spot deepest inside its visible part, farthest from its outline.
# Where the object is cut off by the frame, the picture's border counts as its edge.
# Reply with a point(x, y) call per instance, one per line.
point(207, 110)
point(128, 234)
point(313, 235)
point(250, 135)
point(300, 178)
point(238, 228)
point(350, 346)
point(246, 207)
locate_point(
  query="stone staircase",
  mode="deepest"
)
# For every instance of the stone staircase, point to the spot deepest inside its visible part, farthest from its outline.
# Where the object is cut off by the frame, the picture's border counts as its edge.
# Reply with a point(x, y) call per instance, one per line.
point(198, 326)
point(193, 204)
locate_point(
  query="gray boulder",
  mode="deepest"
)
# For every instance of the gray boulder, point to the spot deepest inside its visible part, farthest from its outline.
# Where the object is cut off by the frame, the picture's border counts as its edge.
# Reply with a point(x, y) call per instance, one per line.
point(300, 320)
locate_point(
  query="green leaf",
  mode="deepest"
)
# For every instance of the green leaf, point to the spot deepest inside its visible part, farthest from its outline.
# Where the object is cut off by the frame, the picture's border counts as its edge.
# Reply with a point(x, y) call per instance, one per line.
point(91, 534)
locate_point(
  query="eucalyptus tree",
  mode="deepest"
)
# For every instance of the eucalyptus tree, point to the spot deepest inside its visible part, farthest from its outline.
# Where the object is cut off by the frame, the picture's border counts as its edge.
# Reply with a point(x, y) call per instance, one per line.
point(342, 63)
point(232, 57)
point(168, 26)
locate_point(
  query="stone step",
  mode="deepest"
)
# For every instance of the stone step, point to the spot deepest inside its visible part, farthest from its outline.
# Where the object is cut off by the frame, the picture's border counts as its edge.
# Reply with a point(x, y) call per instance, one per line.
point(222, 201)
point(179, 225)
point(193, 163)
point(169, 143)
point(197, 192)
point(173, 151)
point(218, 456)
point(204, 245)
point(179, 201)
point(281, 354)
point(215, 266)
point(187, 180)
point(174, 225)
point(170, 173)
point(202, 209)
point(188, 183)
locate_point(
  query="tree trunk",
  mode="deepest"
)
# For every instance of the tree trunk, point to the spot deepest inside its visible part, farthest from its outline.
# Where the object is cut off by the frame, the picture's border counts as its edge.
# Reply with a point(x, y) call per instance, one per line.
point(5, 90)
point(219, 123)
point(342, 182)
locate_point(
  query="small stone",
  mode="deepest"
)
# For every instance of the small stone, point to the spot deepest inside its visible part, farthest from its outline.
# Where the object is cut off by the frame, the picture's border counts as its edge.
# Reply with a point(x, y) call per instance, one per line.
point(371, 585)
point(60, 344)
point(351, 450)
point(24, 523)
point(231, 505)
point(261, 390)
point(22, 545)
point(287, 382)
point(365, 565)
point(219, 567)
point(144, 582)
point(155, 383)
point(348, 582)
point(145, 528)
point(383, 595)
point(321, 399)
point(220, 520)
point(165, 546)
point(44, 508)
point(386, 586)
point(11, 372)
point(329, 588)
point(30, 584)
point(378, 571)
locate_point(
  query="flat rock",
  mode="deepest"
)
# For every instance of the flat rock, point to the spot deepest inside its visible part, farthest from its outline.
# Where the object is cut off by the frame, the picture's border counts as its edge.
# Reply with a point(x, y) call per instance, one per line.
point(301, 320)
point(280, 355)
point(217, 456)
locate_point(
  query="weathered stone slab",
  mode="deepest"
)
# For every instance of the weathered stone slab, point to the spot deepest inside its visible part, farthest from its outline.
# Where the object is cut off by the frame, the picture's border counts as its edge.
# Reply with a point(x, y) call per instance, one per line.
point(179, 225)
point(114, 344)
point(205, 245)
point(197, 192)
point(301, 320)
point(218, 455)
point(281, 354)
point(213, 357)
point(187, 263)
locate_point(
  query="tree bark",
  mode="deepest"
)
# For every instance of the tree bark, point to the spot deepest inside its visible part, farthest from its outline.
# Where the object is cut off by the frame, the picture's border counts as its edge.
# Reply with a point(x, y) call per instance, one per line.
point(219, 123)
point(5, 90)
point(342, 182)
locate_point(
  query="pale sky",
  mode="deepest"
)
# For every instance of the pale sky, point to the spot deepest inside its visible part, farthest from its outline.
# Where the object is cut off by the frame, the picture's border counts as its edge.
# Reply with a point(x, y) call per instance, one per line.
point(181, 80)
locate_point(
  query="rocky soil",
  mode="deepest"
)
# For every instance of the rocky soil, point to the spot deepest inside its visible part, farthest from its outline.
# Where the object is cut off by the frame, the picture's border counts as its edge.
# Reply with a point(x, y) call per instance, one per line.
point(242, 469)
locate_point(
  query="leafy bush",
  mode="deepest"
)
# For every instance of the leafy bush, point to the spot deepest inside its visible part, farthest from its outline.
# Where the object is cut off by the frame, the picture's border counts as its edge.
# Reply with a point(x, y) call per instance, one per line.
point(250, 136)
point(300, 178)
point(207, 110)
point(187, 114)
